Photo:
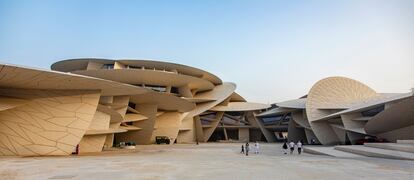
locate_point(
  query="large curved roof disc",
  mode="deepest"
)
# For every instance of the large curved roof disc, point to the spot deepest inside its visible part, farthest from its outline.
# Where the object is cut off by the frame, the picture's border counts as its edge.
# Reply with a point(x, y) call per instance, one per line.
point(139, 76)
point(164, 101)
point(240, 106)
point(20, 77)
point(71, 65)
point(294, 104)
point(219, 94)
point(331, 95)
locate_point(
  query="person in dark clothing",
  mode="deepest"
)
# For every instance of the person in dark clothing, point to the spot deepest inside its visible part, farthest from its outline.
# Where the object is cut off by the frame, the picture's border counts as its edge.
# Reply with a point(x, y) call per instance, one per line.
point(247, 148)
point(284, 148)
point(242, 149)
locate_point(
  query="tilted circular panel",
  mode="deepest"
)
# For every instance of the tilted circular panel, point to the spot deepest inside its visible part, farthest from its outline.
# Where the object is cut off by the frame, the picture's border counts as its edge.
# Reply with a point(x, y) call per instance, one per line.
point(70, 65)
point(184, 69)
point(329, 95)
point(219, 93)
point(235, 97)
point(149, 77)
point(398, 115)
point(296, 104)
point(32, 78)
point(240, 106)
point(164, 101)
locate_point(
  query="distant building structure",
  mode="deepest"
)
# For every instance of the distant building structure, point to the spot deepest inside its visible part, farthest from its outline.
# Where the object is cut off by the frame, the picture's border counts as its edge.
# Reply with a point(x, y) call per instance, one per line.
point(339, 110)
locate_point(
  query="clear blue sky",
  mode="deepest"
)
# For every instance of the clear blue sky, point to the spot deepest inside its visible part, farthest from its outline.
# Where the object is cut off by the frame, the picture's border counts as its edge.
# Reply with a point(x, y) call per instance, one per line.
point(273, 50)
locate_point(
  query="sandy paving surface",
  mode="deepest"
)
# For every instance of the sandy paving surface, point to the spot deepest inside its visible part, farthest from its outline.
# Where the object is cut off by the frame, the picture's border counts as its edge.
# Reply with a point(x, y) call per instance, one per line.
point(205, 161)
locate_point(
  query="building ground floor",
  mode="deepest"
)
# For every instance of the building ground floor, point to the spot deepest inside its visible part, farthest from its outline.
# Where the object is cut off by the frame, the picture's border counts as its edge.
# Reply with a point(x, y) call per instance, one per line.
point(204, 161)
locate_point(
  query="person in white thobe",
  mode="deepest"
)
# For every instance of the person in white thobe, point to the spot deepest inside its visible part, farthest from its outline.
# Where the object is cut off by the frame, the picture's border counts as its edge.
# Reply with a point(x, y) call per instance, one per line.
point(292, 147)
point(256, 148)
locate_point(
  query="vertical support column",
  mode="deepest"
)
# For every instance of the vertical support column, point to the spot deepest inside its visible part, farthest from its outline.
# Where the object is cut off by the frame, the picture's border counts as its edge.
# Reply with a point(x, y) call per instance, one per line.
point(168, 89)
point(185, 91)
point(119, 65)
point(225, 134)
point(193, 123)
point(199, 129)
point(150, 111)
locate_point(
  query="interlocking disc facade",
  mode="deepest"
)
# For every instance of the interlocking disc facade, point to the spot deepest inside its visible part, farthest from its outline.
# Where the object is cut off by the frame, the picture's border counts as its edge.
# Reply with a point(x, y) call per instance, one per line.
point(340, 110)
point(96, 103)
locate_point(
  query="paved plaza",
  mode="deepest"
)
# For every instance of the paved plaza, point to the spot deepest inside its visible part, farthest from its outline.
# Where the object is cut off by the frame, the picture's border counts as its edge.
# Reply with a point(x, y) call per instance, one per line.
point(204, 161)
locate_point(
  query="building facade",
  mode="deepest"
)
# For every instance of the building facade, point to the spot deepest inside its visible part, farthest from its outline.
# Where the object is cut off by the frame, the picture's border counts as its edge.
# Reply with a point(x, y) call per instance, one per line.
point(339, 110)
point(97, 103)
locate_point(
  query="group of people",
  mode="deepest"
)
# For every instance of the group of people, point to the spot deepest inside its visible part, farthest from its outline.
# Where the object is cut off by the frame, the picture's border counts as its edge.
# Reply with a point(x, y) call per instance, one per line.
point(246, 148)
point(292, 146)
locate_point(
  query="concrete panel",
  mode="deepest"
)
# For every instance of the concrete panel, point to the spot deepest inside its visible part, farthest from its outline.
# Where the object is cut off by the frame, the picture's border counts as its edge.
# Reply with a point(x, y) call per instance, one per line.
point(187, 133)
point(398, 116)
point(50, 123)
point(244, 134)
point(397, 134)
point(142, 76)
point(94, 143)
point(392, 146)
point(209, 131)
point(376, 152)
point(143, 136)
point(310, 135)
point(295, 134)
point(350, 124)
point(27, 78)
point(270, 137)
point(240, 106)
point(168, 124)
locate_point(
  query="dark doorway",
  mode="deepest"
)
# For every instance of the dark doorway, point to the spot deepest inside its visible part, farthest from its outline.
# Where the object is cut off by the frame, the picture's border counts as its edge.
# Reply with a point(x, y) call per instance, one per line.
point(347, 140)
point(233, 134)
point(256, 135)
point(217, 135)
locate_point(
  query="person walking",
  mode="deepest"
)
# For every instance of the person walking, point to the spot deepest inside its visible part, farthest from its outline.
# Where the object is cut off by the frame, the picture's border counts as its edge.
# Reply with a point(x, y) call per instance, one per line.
point(242, 149)
point(284, 148)
point(313, 141)
point(256, 147)
point(247, 148)
point(292, 147)
point(299, 145)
